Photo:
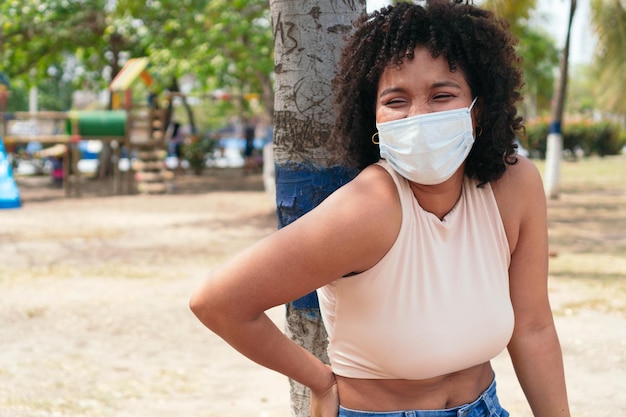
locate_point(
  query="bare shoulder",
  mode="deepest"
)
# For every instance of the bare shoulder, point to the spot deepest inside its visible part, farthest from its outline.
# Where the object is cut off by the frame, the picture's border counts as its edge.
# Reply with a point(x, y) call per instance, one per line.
point(374, 183)
point(523, 174)
point(349, 231)
point(521, 199)
point(363, 215)
point(520, 184)
point(369, 201)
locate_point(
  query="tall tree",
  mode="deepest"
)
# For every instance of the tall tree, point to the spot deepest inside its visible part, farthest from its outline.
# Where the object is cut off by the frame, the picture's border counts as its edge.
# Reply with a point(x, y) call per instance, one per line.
point(36, 33)
point(229, 42)
point(516, 13)
point(540, 57)
point(539, 54)
point(555, 135)
point(308, 37)
point(609, 21)
point(237, 41)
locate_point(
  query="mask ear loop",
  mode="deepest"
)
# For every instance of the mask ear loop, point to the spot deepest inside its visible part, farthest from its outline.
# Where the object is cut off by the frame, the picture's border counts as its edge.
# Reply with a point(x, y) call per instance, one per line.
point(373, 140)
point(479, 130)
point(473, 102)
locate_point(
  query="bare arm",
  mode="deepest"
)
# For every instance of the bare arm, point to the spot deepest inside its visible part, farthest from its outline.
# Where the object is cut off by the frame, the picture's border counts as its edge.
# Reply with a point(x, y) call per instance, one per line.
point(534, 347)
point(350, 231)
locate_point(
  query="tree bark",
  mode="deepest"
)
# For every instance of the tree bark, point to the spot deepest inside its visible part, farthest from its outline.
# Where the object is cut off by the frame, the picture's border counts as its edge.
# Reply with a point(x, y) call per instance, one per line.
point(554, 147)
point(309, 165)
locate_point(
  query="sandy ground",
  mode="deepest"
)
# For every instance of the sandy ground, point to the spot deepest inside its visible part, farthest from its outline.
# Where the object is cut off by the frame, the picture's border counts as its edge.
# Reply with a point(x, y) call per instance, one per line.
point(93, 306)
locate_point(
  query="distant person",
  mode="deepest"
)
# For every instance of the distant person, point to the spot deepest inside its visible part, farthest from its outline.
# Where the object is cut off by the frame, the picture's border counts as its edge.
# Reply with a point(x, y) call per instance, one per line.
point(251, 164)
point(176, 145)
point(57, 172)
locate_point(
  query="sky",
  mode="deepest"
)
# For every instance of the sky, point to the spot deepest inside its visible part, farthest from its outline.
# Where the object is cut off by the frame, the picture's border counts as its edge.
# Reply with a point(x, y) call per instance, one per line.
point(556, 14)
point(553, 15)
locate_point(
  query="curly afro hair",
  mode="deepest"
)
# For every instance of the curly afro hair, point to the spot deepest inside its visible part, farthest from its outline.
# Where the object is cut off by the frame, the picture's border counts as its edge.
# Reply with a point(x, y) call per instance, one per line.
point(472, 40)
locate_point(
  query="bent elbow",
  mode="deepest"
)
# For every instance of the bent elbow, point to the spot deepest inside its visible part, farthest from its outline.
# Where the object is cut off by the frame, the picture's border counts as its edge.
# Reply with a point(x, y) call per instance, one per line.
point(200, 306)
point(195, 304)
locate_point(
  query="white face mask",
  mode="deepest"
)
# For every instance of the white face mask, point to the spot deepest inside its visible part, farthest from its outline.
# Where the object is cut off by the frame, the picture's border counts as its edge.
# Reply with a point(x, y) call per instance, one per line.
point(428, 148)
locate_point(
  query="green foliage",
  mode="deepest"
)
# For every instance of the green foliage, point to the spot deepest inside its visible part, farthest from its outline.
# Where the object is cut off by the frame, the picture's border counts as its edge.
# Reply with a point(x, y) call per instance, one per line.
point(539, 54)
point(238, 45)
point(223, 44)
point(604, 139)
point(212, 114)
point(601, 138)
point(540, 57)
point(196, 150)
point(535, 140)
point(515, 12)
point(52, 95)
point(35, 34)
point(18, 99)
point(609, 22)
point(581, 91)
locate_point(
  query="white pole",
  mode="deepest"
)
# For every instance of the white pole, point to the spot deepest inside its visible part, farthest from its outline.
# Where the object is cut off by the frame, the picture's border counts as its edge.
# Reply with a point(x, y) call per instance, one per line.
point(554, 150)
point(32, 100)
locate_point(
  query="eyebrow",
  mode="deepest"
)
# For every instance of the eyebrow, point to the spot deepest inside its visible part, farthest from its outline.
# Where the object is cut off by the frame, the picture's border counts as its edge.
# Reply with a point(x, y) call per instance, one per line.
point(390, 90)
point(446, 84)
point(438, 84)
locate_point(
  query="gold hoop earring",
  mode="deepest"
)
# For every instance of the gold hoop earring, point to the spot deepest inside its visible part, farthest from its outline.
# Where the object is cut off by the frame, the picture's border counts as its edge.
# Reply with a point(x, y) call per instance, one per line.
point(374, 141)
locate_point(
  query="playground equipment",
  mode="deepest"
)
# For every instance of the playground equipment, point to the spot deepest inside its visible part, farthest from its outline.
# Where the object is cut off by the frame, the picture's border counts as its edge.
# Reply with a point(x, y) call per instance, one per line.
point(9, 193)
point(136, 130)
point(63, 135)
point(145, 127)
point(109, 127)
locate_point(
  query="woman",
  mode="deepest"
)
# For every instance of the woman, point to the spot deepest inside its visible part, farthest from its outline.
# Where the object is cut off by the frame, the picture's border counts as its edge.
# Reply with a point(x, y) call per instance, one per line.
point(434, 258)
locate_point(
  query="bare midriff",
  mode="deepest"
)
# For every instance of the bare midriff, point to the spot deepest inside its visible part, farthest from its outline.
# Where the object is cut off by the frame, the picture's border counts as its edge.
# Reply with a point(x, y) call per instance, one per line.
point(446, 391)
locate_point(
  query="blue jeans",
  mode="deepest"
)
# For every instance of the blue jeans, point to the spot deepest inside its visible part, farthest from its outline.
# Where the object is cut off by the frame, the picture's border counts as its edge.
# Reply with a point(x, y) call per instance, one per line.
point(487, 405)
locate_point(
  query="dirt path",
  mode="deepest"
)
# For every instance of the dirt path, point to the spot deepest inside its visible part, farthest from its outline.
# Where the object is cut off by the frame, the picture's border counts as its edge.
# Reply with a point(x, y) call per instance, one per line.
point(95, 321)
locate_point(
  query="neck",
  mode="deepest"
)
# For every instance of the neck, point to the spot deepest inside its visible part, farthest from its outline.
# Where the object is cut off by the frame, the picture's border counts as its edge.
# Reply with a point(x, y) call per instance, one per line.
point(439, 199)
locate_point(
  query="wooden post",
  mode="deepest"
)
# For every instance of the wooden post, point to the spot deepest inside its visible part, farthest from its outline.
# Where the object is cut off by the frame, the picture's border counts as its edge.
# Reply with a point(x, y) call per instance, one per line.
point(74, 155)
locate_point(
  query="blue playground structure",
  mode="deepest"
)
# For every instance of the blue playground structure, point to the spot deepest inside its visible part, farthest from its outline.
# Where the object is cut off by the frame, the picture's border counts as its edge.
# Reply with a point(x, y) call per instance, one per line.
point(9, 193)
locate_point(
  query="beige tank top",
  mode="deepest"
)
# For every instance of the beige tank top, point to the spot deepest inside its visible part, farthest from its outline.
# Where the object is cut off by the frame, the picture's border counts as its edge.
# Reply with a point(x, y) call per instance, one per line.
point(436, 303)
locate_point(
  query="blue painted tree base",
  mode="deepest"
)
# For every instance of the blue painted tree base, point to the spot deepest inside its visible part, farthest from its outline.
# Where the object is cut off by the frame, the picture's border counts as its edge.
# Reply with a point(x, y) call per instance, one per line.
point(299, 189)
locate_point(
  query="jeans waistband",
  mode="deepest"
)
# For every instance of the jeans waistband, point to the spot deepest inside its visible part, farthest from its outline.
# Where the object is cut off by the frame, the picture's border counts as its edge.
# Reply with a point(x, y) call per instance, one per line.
point(486, 404)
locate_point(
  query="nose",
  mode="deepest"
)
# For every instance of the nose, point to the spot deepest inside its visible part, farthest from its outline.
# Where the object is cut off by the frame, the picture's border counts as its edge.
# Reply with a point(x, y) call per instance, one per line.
point(418, 107)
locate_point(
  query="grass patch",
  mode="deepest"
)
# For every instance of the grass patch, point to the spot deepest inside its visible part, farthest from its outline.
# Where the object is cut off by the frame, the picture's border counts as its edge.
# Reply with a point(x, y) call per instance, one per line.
point(593, 173)
point(587, 232)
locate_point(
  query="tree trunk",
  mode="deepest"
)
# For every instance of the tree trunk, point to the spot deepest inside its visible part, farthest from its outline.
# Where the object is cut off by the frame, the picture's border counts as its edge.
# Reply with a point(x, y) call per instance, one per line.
point(175, 92)
point(309, 166)
point(554, 145)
